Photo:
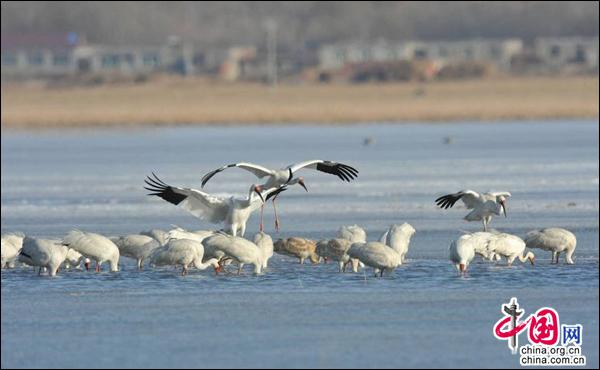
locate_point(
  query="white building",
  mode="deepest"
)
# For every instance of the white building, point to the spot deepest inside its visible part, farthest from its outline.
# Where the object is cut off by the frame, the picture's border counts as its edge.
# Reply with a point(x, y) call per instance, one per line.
point(496, 51)
point(558, 52)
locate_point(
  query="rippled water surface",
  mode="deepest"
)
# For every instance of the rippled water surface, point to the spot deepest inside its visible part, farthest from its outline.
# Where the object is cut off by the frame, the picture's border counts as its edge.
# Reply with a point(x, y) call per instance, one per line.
point(298, 315)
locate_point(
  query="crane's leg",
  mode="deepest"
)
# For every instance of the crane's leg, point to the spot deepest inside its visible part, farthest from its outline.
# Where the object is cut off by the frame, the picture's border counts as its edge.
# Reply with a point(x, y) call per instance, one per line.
point(484, 220)
point(553, 258)
point(275, 210)
point(261, 227)
point(557, 256)
point(242, 229)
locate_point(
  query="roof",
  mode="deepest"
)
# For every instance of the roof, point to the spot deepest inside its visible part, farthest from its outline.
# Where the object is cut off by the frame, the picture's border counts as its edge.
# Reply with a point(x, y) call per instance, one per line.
point(53, 41)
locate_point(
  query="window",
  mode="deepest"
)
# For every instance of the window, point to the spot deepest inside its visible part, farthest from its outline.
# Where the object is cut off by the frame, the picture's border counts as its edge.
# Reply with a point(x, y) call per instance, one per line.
point(495, 52)
point(579, 54)
point(60, 59)
point(35, 58)
point(420, 54)
point(128, 59)
point(9, 59)
point(110, 61)
point(150, 59)
point(469, 53)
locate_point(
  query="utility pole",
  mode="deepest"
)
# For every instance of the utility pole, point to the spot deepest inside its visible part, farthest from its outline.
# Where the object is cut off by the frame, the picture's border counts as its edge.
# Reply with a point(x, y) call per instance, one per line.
point(271, 26)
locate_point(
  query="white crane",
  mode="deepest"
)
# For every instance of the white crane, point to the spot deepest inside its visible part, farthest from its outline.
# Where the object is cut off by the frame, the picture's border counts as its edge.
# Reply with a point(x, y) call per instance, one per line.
point(94, 246)
point(399, 235)
point(232, 212)
point(353, 233)
point(159, 235)
point(138, 247)
point(376, 255)
point(381, 257)
point(73, 260)
point(10, 246)
point(511, 247)
point(287, 176)
point(462, 252)
point(483, 205)
point(43, 253)
point(242, 251)
point(553, 239)
point(183, 252)
point(265, 244)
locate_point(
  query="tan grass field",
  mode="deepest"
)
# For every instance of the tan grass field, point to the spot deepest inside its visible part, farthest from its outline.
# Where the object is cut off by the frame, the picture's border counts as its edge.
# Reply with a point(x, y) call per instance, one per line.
point(201, 102)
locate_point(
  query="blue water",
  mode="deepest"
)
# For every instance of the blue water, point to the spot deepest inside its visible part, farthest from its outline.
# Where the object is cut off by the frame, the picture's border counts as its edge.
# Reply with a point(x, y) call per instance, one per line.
point(298, 316)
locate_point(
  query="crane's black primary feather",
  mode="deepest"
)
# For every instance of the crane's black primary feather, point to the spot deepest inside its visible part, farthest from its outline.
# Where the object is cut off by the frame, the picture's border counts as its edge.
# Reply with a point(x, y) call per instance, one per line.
point(157, 187)
point(343, 171)
point(209, 175)
point(276, 192)
point(448, 200)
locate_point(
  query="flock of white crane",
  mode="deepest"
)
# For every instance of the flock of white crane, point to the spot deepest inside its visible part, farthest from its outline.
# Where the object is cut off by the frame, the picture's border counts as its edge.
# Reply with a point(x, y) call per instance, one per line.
point(203, 249)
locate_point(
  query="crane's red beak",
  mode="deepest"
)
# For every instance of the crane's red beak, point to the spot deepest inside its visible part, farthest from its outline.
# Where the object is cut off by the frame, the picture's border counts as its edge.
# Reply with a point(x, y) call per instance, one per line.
point(257, 190)
point(301, 182)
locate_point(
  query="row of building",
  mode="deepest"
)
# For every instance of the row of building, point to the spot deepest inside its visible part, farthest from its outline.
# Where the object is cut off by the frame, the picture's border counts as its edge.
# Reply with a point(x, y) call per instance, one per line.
point(46, 55)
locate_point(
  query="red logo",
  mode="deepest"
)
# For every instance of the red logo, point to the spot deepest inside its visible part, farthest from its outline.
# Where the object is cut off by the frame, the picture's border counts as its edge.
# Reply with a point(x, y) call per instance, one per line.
point(543, 326)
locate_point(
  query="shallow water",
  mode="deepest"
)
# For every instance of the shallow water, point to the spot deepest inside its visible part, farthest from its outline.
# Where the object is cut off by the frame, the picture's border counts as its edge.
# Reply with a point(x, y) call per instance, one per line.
point(295, 316)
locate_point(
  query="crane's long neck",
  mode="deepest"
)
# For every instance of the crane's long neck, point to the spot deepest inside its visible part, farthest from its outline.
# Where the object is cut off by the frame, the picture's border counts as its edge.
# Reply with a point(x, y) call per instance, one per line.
point(527, 257)
point(399, 240)
point(202, 266)
point(258, 267)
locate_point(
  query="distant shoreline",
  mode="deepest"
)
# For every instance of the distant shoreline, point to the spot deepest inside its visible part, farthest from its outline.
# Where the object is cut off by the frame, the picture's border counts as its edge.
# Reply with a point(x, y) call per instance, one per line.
point(201, 103)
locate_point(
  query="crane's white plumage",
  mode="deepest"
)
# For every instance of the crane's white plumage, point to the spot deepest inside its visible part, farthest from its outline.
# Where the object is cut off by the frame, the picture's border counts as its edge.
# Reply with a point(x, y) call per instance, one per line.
point(265, 244)
point(138, 247)
point(376, 255)
point(353, 233)
point(286, 175)
point(493, 246)
point(555, 240)
point(43, 253)
point(232, 212)
point(483, 205)
point(511, 247)
point(199, 236)
point(462, 252)
point(73, 259)
point(381, 257)
point(159, 235)
point(94, 246)
point(242, 251)
point(183, 252)
point(399, 236)
point(10, 246)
